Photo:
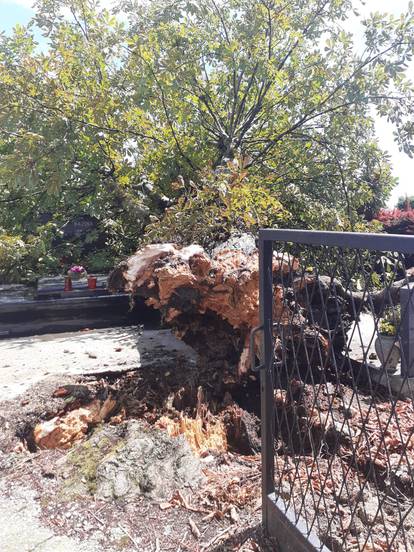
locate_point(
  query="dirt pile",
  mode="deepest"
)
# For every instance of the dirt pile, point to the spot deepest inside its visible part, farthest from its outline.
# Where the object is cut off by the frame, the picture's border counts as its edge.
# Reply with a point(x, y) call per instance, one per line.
point(181, 399)
point(213, 411)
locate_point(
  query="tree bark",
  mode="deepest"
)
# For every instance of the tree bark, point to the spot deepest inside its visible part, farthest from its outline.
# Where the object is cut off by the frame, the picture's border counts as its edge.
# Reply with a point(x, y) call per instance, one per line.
point(210, 301)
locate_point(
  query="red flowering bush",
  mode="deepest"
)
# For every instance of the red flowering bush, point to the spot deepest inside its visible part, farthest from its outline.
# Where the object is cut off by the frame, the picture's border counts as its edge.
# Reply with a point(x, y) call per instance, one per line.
point(397, 221)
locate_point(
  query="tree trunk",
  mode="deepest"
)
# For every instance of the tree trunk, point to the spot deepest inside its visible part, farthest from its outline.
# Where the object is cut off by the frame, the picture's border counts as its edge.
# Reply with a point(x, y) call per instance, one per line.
point(211, 301)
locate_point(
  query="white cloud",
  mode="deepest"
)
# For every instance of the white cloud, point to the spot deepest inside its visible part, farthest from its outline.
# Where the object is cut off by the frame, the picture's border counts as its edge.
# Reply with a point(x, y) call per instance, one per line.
point(403, 166)
point(396, 6)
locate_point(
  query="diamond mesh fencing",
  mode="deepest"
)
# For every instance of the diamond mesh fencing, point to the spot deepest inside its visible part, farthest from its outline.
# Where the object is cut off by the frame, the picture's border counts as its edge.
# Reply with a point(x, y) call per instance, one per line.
point(342, 378)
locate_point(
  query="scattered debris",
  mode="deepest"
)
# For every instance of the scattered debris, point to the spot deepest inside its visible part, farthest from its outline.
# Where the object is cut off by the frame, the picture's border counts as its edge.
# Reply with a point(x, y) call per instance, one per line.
point(114, 453)
point(200, 436)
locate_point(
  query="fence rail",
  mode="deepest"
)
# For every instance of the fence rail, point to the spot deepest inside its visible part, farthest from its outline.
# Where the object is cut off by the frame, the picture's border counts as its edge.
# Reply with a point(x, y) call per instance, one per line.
point(337, 393)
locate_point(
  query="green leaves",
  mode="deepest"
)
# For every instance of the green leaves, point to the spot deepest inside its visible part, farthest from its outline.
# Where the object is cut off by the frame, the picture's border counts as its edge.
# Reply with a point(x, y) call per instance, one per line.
point(143, 94)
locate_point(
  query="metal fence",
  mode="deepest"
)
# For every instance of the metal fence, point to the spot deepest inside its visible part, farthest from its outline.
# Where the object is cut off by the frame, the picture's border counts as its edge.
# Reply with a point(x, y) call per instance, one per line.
point(337, 392)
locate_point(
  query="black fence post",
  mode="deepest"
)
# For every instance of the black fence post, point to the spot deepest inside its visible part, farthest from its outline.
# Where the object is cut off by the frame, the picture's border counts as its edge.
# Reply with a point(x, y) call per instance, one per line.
point(266, 376)
point(407, 330)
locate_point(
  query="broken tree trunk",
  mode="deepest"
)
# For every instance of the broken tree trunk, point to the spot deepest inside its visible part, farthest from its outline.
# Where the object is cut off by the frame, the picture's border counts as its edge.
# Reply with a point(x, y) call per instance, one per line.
point(211, 301)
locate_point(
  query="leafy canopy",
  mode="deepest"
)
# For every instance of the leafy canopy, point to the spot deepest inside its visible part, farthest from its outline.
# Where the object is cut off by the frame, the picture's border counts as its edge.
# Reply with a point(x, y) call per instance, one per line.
point(255, 112)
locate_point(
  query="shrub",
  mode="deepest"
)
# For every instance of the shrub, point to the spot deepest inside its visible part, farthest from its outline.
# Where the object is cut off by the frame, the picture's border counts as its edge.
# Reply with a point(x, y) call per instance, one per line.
point(390, 321)
point(397, 221)
point(13, 253)
point(23, 259)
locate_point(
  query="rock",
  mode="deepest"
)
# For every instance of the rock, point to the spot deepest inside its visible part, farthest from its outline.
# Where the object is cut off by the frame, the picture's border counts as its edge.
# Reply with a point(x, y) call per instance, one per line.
point(246, 243)
point(148, 463)
point(368, 511)
point(17, 420)
point(62, 432)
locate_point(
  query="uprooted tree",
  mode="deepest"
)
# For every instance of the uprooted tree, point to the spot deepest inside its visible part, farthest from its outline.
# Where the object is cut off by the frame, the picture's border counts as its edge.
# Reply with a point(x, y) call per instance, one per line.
point(211, 300)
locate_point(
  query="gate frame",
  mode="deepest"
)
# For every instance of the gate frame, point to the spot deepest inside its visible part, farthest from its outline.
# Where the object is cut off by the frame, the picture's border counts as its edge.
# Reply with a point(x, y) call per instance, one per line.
point(279, 522)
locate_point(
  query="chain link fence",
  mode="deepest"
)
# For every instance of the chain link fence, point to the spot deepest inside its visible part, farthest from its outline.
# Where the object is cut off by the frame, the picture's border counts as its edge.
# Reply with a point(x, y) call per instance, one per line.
point(337, 383)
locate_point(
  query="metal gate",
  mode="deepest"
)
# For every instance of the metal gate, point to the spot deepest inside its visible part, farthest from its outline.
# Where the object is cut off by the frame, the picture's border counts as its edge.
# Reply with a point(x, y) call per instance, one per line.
point(337, 408)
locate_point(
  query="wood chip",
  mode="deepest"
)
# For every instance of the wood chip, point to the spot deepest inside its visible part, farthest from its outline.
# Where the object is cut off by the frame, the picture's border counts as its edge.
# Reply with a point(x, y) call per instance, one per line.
point(165, 505)
point(234, 516)
point(194, 529)
point(217, 538)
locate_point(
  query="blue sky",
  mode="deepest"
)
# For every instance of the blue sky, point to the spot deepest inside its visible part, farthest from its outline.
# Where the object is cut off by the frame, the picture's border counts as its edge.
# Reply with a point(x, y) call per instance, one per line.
point(12, 13)
point(19, 11)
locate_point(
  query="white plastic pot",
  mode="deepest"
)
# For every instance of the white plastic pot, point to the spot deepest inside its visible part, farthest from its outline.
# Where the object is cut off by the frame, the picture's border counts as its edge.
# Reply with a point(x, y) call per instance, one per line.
point(388, 352)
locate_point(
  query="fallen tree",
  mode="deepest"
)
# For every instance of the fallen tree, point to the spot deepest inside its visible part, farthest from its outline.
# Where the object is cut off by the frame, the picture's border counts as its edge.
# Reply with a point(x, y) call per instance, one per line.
point(212, 300)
